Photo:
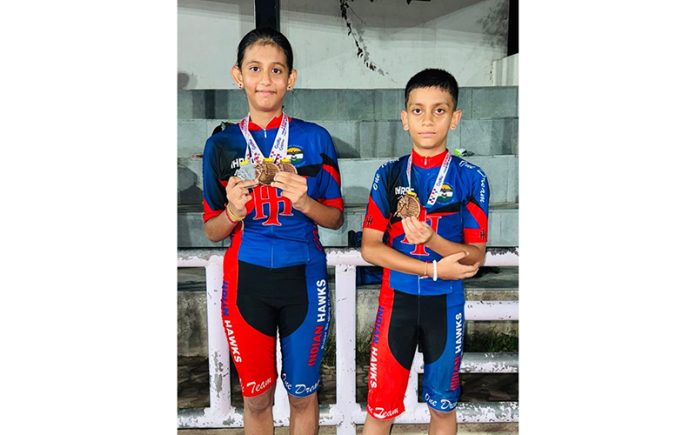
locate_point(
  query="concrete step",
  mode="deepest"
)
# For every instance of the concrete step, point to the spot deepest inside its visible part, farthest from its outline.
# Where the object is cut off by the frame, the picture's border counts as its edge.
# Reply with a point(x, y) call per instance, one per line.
point(345, 104)
point(502, 226)
point(357, 176)
point(376, 138)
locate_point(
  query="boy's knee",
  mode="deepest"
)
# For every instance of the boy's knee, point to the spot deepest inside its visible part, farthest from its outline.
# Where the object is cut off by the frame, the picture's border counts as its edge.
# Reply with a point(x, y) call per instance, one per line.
point(259, 404)
point(299, 404)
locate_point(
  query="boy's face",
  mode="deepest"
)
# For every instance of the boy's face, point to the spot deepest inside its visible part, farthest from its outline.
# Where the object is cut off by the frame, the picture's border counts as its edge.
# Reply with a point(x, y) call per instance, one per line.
point(265, 77)
point(428, 117)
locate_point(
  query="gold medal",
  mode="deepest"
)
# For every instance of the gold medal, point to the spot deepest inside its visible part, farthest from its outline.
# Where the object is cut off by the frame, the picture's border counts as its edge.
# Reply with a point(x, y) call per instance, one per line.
point(286, 166)
point(408, 205)
point(266, 170)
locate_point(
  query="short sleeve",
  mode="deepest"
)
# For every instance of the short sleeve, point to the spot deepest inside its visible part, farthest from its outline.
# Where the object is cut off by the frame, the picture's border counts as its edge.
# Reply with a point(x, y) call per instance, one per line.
point(214, 195)
point(475, 208)
point(329, 191)
point(377, 214)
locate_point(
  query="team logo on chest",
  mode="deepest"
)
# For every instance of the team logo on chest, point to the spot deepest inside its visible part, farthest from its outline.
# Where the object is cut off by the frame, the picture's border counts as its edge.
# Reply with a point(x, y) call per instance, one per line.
point(446, 194)
point(267, 199)
point(433, 221)
point(295, 154)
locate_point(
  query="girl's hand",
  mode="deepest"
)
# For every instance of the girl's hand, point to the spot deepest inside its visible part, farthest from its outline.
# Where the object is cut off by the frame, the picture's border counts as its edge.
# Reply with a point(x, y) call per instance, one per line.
point(238, 194)
point(417, 232)
point(450, 268)
point(294, 187)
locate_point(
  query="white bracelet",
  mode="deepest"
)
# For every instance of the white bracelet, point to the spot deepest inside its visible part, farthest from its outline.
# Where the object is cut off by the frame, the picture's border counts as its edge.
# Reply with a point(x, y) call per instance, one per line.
point(434, 270)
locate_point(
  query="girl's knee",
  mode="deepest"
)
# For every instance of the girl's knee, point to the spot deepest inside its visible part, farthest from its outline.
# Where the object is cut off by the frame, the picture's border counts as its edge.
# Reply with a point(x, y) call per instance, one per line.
point(259, 404)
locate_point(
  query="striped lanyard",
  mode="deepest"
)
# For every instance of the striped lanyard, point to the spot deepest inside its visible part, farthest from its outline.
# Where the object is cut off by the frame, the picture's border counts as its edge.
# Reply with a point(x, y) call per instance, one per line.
point(280, 145)
point(438, 181)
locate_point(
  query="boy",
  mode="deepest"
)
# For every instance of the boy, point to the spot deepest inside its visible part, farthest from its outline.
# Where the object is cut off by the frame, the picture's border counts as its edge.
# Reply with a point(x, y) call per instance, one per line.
point(434, 208)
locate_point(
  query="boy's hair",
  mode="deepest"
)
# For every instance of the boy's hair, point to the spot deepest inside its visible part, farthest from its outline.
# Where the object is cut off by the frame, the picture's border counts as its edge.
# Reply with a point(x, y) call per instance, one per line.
point(433, 77)
point(265, 35)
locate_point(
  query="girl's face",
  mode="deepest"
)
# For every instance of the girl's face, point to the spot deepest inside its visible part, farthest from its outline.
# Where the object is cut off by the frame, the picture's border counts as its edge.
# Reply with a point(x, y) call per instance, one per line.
point(265, 77)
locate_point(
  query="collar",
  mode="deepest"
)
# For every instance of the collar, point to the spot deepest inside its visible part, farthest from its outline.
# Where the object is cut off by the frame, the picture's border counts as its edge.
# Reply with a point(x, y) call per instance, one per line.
point(429, 161)
point(274, 123)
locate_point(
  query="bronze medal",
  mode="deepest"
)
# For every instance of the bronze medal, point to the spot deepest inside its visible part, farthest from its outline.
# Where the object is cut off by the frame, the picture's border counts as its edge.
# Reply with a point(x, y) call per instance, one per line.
point(286, 166)
point(266, 170)
point(408, 206)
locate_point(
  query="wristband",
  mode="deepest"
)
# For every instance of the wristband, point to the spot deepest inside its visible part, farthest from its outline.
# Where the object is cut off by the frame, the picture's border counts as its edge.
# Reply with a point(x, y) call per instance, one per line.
point(434, 270)
point(231, 216)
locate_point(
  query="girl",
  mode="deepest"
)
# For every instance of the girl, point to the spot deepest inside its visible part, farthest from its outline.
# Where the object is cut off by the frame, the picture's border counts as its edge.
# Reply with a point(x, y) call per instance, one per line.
point(268, 181)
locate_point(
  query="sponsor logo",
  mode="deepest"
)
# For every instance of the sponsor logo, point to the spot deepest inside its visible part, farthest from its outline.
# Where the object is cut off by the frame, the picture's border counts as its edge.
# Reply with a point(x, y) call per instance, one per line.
point(258, 387)
point(295, 154)
point(288, 385)
point(446, 404)
point(379, 412)
point(223, 301)
point(446, 193)
point(316, 345)
point(459, 334)
point(322, 317)
point(372, 376)
point(374, 183)
point(321, 295)
point(237, 163)
point(303, 389)
point(236, 356)
point(482, 192)
point(401, 190)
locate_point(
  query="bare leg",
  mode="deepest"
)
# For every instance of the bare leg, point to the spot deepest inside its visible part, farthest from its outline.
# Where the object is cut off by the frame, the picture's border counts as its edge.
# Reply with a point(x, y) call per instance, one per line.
point(377, 427)
point(304, 415)
point(258, 414)
point(442, 423)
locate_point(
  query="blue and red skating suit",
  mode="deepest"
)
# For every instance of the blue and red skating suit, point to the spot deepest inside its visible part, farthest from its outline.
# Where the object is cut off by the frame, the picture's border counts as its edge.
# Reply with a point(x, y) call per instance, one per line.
point(275, 268)
point(415, 311)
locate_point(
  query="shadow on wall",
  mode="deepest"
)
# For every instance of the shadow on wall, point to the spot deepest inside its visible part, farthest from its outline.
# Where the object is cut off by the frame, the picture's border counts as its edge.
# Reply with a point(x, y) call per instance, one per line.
point(185, 80)
point(344, 149)
point(189, 192)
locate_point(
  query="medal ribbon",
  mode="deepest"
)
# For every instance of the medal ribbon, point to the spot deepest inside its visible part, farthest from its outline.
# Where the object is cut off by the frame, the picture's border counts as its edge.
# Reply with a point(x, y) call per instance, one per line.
point(280, 145)
point(438, 181)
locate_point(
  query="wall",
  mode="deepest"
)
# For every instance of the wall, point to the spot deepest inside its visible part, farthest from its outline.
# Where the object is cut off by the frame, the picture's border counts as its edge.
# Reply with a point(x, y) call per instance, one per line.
point(399, 39)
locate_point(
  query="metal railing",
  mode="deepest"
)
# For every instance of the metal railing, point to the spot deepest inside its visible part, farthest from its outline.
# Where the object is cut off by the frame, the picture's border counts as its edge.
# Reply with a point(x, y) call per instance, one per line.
point(346, 412)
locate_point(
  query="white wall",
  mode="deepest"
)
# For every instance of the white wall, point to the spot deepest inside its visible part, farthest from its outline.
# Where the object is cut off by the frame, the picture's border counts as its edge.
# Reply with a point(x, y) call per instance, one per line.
point(464, 37)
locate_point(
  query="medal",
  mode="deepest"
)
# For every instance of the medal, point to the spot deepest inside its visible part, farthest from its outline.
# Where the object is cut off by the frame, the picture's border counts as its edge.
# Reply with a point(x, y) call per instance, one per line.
point(266, 170)
point(408, 205)
point(286, 166)
point(246, 171)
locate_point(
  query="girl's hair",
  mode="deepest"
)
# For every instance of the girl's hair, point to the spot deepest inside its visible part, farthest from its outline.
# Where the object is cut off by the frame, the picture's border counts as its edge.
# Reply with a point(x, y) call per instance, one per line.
point(265, 35)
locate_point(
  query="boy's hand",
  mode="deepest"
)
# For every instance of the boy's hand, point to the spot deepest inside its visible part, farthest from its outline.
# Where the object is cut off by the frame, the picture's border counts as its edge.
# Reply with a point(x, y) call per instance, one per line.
point(238, 194)
point(294, 187)
point(450, 268)
point(417, 232)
